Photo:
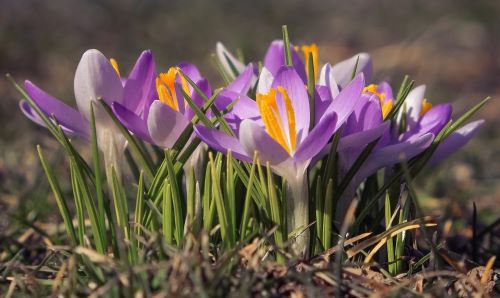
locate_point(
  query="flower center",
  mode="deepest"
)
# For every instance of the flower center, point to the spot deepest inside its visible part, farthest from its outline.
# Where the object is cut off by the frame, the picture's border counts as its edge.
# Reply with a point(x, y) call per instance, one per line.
point(310, 49)
point(165, 87)
point(115, 65)
point(276, 125)
point(385, 104)
point(426, 106)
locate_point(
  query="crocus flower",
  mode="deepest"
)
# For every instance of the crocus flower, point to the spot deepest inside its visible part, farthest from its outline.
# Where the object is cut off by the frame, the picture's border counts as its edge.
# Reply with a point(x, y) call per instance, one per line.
point(417, 106)
point(334, 77)
point(166, 114)
point(277, 127)
point(366, 124)
point(96, 77)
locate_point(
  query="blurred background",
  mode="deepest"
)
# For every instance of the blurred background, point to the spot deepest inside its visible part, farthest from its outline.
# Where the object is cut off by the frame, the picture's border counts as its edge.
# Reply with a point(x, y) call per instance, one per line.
point(451, 46)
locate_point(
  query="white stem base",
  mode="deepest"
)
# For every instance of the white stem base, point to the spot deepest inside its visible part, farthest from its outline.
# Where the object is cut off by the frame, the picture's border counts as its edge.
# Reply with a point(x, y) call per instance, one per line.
point(298, 215)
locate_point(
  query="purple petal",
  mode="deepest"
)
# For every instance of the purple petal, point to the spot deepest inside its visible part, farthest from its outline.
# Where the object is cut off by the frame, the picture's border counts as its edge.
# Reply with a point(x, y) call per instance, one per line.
point(327, 78)
point(139, 85)
point(455, 141)
point(66, 115)
point(191, 71)
point(317, 139)
point(243, 108)
point(253, 137)
point(132, 122)
point(33, 116)
point(367, 115)
point(362, 138)
point(165, 125)
point(275, 59)
point(242, 83)
point(384, 87)
point(437, 117)
point(205, 87)
point(323, 100)
point(288, 78)
point(347, 100)
point(95, 78)
point(221, 142)
point(433, 121)
point(393, 154)
point(342, 71)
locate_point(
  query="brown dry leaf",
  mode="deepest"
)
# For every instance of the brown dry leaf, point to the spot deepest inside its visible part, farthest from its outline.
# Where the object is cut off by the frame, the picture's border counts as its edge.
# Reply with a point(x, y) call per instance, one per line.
point(414, 224)
point(367, 277)
point(471, 283)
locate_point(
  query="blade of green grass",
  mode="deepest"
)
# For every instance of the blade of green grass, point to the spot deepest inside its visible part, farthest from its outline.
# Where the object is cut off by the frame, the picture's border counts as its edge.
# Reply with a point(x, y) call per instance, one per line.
point(61, 202)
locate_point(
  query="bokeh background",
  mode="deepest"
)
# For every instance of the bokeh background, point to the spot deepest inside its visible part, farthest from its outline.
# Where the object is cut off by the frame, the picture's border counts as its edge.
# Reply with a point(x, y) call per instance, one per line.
point(451, 46)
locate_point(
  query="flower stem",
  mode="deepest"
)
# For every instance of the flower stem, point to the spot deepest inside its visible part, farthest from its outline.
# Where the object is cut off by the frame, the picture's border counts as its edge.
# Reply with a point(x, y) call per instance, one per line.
point(298, 215)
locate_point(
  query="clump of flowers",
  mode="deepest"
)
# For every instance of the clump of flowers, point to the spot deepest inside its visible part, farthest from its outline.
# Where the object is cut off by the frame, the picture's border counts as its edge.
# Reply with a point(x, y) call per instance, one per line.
point(317, 153)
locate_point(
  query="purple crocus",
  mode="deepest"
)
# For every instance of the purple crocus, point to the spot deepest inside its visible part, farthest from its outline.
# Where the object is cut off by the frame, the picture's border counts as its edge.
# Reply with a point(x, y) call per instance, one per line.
point(166, 114)
point(277, 127)
point(366, 124)
point(96, 77)
point(334, 77)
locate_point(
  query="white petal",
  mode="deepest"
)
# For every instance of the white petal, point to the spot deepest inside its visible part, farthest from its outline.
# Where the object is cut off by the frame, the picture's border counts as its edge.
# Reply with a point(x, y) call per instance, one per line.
point(223, 54)
point(342, 71)
point(165, 124)
point(265, 81)
point(413, 105)
point(95, 78)
point(326, 78)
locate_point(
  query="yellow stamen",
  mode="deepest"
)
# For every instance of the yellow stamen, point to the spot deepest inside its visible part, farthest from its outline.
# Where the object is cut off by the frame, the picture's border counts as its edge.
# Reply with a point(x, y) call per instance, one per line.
point(272, 119)
point(115, 65)
point(165, 87)
point(311, 49)
point(426, 106)
point(385, 104)
point(386, 108)
point(290, 114)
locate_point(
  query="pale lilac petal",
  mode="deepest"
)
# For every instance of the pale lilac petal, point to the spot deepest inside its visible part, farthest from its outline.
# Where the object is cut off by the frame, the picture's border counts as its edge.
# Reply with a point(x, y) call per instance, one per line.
point(342, 71)
point(288, 78)
point(191, 71)
point(95, 78)
point(393, 154)
point(243, 108)
point(275, 59)
point(317, 139)
point(323, 100)
point(139, 85)
point(385, 88)
point(362, 138)
point(436, 118)
point(253, 137)
point(266, 79)
point(224, 55)
point(221, 142)
point(205, 87)
point(132, 122)
point(242, 83)
point(327, 78)
point(433, 121)
point(455, 141)
point(65, 115)
point(165, 125)
point(413, 104)
point(347, 100)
